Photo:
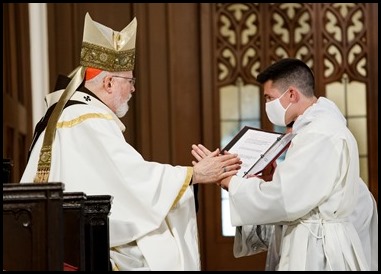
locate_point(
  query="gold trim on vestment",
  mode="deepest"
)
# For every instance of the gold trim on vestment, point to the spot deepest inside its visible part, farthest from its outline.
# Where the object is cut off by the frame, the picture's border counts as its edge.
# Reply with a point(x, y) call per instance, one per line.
point(184, 187)
point(44, 162)
point(83, 118)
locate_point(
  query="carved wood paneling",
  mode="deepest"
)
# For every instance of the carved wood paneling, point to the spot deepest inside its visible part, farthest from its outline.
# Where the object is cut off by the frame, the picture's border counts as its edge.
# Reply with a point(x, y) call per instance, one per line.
point(333, 39)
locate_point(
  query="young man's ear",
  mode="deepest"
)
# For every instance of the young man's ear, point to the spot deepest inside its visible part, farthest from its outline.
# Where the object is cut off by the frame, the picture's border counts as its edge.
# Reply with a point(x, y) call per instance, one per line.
point(294, 94)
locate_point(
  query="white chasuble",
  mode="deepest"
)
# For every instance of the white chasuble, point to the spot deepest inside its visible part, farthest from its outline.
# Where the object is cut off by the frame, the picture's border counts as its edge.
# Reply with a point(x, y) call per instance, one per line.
point(153, 219)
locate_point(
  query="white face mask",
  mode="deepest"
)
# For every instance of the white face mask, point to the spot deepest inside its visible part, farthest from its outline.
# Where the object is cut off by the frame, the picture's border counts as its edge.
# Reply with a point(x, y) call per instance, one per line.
point(275, 111)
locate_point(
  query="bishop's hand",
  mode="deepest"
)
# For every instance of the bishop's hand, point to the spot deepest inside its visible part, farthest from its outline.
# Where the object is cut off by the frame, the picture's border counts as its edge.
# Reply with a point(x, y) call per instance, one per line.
point(212, 167)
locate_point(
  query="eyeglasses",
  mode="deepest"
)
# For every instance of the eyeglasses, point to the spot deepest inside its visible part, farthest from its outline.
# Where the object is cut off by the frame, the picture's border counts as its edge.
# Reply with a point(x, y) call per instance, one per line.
point(132, 80)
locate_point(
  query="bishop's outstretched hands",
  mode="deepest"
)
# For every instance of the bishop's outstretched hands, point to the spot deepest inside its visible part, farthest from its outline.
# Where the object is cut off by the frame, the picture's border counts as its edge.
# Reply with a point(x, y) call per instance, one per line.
point(213, 167)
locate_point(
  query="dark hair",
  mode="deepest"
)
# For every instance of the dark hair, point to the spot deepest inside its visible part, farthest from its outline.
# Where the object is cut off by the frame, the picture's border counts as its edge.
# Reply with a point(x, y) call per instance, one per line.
point(287, 72)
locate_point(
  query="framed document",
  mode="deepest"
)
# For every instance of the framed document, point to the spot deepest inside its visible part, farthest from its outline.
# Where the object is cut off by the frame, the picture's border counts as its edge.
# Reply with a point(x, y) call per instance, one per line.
point(257, 148)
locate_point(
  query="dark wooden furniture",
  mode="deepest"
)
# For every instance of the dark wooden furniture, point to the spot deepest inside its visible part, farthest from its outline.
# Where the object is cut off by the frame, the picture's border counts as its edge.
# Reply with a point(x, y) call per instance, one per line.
point(74, 229)
point(7, 170)
point(86, 226)
point(45, 227)
point(33, 227)
point(97, 209)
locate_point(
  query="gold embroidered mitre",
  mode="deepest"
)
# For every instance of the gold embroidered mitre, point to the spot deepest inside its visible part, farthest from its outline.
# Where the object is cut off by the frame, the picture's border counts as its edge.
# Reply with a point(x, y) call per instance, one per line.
point(106, 49)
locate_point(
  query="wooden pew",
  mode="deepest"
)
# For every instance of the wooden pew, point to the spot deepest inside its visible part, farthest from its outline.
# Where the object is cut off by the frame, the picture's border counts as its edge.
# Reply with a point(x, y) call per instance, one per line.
point(86, 225)
point(97, 210)
point(74, 229)
point(44, 227)
point(33, 227)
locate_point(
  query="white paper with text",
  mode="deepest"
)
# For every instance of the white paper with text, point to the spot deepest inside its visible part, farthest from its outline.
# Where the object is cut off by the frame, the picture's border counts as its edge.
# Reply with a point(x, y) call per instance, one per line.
point(257, 148)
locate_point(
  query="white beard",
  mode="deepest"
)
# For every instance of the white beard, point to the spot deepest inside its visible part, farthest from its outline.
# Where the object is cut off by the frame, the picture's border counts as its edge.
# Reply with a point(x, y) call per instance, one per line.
point(122, 110)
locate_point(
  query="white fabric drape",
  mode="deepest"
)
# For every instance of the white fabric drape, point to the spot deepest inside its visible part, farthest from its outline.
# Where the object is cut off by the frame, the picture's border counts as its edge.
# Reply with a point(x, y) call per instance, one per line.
point(90, 155)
